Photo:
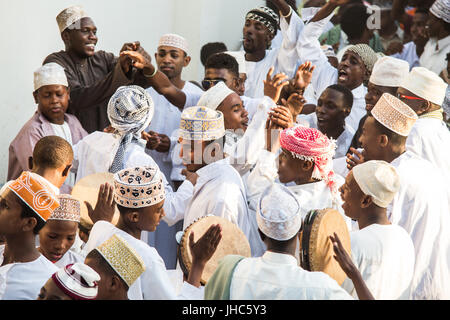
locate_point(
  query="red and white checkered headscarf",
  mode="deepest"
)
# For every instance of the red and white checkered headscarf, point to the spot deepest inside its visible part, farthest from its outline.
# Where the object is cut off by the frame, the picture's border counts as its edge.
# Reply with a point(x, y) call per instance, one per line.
point(311, 144)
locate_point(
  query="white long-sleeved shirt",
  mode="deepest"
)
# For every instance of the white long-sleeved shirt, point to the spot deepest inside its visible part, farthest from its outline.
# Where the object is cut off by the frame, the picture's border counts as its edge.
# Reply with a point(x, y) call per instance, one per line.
point(434, 54)
point(384, 254)
point(155, 282)
point(276, 276)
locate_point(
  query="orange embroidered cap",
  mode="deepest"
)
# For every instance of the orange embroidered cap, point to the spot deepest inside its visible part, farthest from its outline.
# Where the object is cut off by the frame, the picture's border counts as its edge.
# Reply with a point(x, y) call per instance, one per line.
point(35, 195)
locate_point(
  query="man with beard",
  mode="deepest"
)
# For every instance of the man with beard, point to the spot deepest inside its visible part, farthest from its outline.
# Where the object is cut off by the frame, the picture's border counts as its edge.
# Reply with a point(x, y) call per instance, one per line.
point(93, 76)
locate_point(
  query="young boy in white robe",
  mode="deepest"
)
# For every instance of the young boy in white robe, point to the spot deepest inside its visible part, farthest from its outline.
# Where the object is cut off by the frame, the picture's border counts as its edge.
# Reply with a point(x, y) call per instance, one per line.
point(75, 281)
point(276, 275)
point(382, 252)
point(25, 206)
point(139, 194)
point(421, 205)
point(118, 265)
point(59, 233)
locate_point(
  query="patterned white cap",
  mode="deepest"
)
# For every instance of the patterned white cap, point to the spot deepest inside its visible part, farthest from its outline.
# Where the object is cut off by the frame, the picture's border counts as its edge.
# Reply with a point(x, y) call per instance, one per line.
point(377, 179)
point(394, 114)
point(425, 84)
point(138, 187)
point(240, 58)
point(214, 96)
point(69, 209)
point(124, 260)
point(174, 40)
point(50, 74)
point(441, 9)
point(70, 15)
point(278, 215)
point(389, 72)
point(78, 281)
point(202, 124)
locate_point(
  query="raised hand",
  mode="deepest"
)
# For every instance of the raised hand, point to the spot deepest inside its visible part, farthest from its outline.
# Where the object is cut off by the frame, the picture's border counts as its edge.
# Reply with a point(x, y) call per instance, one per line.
point(272, 135)
point(352, 160)
point(303, 76)
point(204, 248)
point(281, 117)
point(342, 257)
point(273, 86)
point(295, 103)
point(191, 176)
point(104, 209)
point(139, 60)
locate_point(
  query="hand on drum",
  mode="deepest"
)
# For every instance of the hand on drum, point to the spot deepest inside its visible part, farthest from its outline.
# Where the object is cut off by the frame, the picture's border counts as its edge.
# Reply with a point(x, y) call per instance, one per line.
point(104, 209)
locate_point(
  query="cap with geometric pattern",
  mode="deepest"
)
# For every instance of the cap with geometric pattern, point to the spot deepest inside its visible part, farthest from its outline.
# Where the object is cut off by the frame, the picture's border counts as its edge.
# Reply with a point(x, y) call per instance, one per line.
point(69, 209)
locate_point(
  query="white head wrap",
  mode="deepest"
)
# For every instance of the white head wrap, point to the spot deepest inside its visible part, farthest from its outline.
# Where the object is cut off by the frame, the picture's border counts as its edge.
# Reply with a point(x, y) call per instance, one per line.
point(70, 15)
point(425, 84)
point(214, 96)
point(441, 9)
point(49, 74)
point(377, 179)
point(278, 215)
point(389, 72)
point(174, 40)
point(78, 281)
point(240, 58)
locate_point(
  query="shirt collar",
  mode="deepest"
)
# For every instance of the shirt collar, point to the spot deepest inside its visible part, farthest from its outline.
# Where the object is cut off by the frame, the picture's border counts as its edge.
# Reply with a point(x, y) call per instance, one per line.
point(279, 258)
point(359, 92)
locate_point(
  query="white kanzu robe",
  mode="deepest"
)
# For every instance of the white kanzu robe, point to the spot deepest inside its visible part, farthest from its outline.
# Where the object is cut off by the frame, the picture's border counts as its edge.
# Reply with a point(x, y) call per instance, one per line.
point(384, 254)
point(155, 282)
point(276, 276)
point(421, 208)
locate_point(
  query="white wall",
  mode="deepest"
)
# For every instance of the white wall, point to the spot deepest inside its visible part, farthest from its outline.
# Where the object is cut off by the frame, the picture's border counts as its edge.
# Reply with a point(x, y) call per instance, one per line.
point(28, 33)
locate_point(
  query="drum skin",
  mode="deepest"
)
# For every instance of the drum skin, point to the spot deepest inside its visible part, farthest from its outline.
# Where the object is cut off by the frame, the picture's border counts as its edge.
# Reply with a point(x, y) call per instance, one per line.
point(233, 242)
point(86, 189)
point(316, 249)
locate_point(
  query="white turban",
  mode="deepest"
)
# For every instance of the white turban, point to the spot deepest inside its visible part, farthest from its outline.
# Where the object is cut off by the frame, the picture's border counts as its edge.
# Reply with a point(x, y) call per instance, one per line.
point(441, 9)
point(389, 72)
point(278, 215)
point(174, 40)
point(240, 58)
point(214, 96)
point(78, 281)
point(70, 15)
point(425, 84)
point(377, 179)
point(49, 74)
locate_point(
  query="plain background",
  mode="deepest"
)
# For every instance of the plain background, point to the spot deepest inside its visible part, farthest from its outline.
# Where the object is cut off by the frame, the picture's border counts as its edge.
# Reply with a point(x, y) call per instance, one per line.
point(29, 33)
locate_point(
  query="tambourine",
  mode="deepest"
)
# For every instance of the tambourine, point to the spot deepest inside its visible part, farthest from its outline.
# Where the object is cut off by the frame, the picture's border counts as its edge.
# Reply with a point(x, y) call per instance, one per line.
point(316, 249)
point(86, 189)
point(233, 242)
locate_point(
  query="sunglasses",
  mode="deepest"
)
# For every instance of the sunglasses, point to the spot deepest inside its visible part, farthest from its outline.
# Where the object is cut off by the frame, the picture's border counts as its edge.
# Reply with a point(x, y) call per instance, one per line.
point(402, 96)
point(206, 84)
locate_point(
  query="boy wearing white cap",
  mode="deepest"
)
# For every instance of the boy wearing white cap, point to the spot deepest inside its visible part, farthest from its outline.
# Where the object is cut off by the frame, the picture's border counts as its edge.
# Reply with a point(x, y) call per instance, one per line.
point(276, 275)
point(421, 205)
point(383, 252)
point(51, 93)
point(424, 91)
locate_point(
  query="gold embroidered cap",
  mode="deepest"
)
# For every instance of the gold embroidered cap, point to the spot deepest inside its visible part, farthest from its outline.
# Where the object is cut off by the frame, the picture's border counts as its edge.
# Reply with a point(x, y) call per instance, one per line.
point(125, 261)
point(201, 123)
point(69, 209)
point(394, 114)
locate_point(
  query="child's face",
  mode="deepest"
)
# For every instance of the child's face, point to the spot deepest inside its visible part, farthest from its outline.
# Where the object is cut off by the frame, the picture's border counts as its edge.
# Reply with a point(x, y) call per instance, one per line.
point(331, 110)
point(53, 101)
point(150, 217)
point(10, 213)
point(50, 291)
point(56, 238)
point(289, 168)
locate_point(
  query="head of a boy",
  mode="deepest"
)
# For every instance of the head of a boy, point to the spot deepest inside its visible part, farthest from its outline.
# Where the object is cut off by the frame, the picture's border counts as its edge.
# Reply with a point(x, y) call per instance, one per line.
point(51, 92)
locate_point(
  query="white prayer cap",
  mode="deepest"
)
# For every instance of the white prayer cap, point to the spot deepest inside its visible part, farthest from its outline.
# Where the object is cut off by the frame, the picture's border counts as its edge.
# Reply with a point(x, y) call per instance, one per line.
point(377, 179)
point(174, 40)
point(425, 84)
point(441, 9)
point(240, 58)
point(69, 209)
point(200, 123)
point(389, 72)
point(70, 15)
point(214, 96)
point(278, 215)
point(78, 281)
point(394, 114)
point(48, 74)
